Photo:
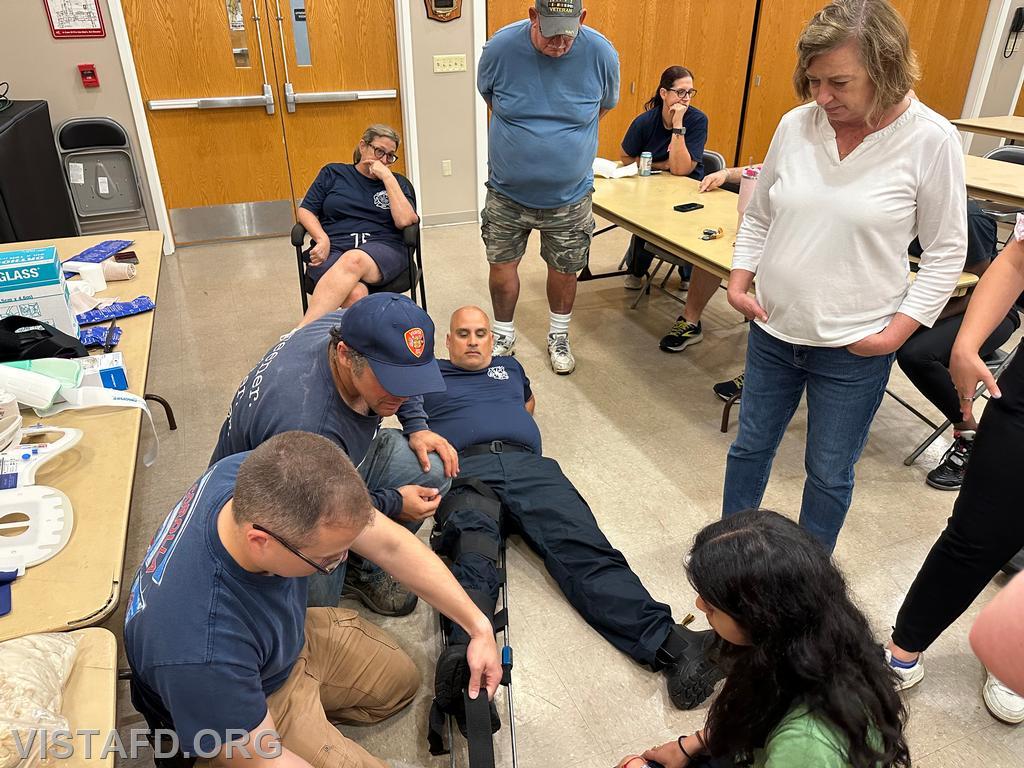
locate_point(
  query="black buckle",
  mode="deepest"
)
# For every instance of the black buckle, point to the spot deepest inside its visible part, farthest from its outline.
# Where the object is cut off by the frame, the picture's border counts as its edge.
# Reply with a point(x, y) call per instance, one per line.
point(497, 446)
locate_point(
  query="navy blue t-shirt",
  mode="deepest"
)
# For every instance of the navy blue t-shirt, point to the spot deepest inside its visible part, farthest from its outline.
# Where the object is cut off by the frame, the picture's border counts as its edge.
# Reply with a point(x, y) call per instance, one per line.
point(207, 640)
point(981, 237)
point(353, 208)
point(647, 133)
point(481, 406)
point(292, 388)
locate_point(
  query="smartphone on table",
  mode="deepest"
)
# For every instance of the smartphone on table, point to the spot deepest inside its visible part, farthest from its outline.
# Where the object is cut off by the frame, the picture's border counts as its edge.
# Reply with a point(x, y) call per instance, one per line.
point(687, 207)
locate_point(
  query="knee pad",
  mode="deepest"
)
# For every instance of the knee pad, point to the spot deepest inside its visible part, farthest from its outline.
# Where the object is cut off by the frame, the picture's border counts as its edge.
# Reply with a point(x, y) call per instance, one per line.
point(468, 521)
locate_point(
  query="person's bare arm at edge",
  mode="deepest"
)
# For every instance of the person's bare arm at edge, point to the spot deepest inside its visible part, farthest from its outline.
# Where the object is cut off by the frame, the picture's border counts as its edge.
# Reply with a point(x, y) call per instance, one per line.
point(408, 560)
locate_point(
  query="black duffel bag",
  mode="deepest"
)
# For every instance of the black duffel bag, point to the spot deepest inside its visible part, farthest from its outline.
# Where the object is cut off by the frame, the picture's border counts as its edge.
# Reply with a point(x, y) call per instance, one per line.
point(22, 338)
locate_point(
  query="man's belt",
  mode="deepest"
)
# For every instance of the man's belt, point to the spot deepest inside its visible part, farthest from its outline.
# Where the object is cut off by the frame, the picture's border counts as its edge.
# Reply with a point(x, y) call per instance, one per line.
point(495, 446)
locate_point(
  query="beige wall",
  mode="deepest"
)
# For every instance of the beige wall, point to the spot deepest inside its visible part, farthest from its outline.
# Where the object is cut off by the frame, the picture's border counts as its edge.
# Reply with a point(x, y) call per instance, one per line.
point(39, 67)
point(444, 108)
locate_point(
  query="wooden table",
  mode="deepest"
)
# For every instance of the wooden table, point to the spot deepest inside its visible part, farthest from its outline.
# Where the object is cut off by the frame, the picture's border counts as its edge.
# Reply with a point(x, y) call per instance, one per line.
point(643, 205)
point(1006, 126)
point(82, 584)
point(994, 180)
point(90, 696)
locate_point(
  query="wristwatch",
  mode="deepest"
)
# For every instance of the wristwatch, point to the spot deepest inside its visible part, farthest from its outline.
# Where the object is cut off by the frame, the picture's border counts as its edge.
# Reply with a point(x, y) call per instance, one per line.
point(679, 131)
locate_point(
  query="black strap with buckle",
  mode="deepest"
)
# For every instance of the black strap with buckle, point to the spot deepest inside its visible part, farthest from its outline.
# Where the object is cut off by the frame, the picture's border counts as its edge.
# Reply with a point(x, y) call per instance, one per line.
point(495, 446)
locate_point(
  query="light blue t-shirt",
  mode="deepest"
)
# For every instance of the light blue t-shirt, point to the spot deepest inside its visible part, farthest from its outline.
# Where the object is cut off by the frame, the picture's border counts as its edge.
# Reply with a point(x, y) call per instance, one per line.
point(544, 114)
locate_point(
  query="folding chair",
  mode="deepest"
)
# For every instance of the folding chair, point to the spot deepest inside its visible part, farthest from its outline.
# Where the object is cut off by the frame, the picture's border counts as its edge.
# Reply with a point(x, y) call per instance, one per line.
point(408, 280)
point(996, 363)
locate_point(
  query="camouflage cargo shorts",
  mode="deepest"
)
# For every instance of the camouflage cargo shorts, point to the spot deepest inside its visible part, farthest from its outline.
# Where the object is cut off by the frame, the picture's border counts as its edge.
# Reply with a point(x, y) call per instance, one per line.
point(565, 232)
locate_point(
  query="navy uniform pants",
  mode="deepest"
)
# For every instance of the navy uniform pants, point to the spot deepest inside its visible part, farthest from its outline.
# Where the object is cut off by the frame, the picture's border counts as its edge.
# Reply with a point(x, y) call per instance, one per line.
point(542, 506)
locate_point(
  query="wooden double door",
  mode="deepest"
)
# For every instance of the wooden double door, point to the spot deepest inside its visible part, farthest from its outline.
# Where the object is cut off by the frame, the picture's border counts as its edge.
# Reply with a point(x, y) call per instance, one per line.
point(247, 99)
point(743, 53)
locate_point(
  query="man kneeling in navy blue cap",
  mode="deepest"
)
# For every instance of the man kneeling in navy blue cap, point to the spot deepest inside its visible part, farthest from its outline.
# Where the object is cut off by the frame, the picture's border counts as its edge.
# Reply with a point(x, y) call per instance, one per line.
point(487, 414)
point(338, 377)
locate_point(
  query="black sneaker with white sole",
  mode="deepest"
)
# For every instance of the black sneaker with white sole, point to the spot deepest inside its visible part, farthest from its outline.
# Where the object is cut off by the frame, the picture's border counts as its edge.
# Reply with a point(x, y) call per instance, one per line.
point(949, 474)
point(727, 390)
point(681, 336)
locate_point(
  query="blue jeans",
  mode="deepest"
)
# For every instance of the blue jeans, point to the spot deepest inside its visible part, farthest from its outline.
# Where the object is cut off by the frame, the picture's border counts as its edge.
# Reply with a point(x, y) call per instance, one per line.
point(844, 391)
point(389, 463)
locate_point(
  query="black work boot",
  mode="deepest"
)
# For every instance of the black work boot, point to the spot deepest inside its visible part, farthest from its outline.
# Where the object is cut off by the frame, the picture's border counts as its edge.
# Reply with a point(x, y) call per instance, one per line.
point(379, 592)
point(689, 662)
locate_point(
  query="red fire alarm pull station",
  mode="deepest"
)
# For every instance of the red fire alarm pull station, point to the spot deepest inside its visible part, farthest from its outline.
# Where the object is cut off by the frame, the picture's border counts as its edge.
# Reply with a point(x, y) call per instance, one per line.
point(89, 77)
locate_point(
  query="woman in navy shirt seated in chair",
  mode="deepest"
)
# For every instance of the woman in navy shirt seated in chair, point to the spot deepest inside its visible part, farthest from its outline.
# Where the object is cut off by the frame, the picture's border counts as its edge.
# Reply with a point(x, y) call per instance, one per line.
point(674, 132)
point(355, 215)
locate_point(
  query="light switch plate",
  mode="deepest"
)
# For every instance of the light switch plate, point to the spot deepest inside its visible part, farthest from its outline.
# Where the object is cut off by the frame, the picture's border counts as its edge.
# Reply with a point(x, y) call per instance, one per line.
point(450, 62)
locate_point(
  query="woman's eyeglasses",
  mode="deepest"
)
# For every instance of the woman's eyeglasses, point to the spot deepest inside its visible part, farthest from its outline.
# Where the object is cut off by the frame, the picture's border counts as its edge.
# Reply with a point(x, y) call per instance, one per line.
point(384, 155)
point(326, 567)
point(683, 93)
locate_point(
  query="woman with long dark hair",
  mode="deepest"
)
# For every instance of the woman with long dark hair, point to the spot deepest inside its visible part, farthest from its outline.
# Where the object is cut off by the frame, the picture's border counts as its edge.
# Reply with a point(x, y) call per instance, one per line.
point(806, 683)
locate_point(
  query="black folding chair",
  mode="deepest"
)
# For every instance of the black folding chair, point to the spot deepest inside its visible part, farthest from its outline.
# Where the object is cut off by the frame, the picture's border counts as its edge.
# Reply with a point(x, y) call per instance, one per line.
point(408, 280)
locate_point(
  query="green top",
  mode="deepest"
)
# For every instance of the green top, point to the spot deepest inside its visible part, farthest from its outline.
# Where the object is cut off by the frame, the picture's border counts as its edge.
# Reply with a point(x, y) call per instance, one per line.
point(801, 739)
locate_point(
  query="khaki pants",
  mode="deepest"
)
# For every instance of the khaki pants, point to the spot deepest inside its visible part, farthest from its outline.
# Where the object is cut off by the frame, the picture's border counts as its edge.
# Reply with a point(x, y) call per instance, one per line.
point(349, 671)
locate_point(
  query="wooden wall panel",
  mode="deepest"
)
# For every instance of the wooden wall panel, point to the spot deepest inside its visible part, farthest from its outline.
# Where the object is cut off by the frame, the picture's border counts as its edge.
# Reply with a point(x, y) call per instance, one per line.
point(712, 39)
point(944, 33)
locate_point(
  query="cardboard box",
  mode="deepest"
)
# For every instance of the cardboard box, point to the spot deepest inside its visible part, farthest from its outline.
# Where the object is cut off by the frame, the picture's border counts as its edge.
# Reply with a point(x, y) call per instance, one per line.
point(32, 284)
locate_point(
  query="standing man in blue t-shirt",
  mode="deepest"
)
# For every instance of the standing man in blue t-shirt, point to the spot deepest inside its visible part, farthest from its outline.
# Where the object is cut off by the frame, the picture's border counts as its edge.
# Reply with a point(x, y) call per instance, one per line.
point(222, 649)
point(548, 81)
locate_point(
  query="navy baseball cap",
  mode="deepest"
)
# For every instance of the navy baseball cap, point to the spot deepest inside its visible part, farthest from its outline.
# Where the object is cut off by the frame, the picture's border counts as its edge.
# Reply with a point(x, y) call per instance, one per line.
point(397, 338)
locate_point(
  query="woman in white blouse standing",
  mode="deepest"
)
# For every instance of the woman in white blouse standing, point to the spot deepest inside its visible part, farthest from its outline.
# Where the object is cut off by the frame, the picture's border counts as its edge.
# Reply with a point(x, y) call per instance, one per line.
point(850, 179)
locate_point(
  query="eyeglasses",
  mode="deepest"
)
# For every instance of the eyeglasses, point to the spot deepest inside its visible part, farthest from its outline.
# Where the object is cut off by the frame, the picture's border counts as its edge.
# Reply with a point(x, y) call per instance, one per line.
point(383, 154)
point(326, 567)
point(683, 93)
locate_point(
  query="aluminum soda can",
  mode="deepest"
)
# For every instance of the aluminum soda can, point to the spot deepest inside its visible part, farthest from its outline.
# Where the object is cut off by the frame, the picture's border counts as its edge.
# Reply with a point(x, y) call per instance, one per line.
point(645, 163)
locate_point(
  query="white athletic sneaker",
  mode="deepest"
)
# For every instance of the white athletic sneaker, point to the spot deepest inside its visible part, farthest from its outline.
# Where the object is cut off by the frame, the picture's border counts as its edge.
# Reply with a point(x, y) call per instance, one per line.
point(1003, 703)
point(633, 283)
point(503, 344)
point(908, 678)
point(562, 361)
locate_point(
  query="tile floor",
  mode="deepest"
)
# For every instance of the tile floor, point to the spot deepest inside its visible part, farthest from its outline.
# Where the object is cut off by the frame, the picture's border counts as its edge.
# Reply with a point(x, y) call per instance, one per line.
point(637, 431)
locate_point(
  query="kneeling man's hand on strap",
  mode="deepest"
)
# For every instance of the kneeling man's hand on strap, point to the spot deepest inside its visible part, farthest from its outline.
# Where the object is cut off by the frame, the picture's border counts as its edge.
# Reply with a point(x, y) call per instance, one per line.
point(418, 503)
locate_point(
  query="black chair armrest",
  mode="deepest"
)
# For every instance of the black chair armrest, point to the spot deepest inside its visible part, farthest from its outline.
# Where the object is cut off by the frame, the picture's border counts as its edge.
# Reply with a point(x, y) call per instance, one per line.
point(411, 235)
point(298, 235)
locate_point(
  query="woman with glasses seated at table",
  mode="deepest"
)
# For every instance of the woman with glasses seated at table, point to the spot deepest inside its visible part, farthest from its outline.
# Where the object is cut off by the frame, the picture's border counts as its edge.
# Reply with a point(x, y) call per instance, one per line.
point(355, 215)
point(674, 132)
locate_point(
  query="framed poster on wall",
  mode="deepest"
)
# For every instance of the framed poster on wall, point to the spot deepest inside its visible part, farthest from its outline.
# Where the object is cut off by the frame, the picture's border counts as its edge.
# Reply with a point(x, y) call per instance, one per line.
point(74, 18)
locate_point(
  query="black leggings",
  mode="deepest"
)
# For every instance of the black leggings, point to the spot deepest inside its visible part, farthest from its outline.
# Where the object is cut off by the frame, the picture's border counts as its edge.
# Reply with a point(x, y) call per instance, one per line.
point(985, 530)
point(924, 358)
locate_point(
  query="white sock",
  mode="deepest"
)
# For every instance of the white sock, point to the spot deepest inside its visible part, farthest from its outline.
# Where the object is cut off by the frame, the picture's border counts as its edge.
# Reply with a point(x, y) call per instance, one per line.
point(558, 323)
point(505, 329)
